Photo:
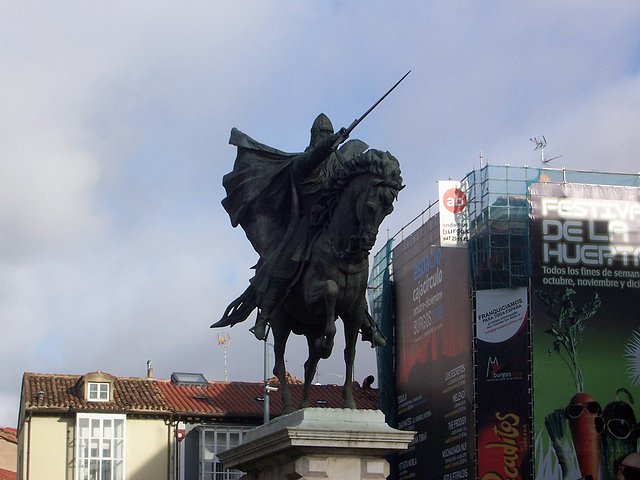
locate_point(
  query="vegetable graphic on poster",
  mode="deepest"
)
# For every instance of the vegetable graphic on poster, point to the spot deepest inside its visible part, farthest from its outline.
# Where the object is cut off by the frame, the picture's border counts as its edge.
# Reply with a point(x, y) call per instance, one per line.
point(568, 324)
point(585, 244)
point(619, 432)
point(566, 328)
point(556, 426)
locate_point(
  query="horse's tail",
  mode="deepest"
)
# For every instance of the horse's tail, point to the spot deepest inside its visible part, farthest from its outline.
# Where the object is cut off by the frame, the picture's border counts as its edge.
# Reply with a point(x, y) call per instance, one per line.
point(239, 309)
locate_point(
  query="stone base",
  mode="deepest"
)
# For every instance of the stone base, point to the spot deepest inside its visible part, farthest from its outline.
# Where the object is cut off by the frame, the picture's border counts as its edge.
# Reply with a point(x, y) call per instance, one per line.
point(328, 443)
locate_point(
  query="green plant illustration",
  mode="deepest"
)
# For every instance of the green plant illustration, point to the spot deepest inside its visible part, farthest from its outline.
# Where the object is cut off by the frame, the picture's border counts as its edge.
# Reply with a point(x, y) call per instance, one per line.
point(568, 324)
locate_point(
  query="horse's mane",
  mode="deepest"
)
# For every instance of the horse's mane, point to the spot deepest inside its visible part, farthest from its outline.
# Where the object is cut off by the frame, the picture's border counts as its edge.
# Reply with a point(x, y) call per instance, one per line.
point(383, 166)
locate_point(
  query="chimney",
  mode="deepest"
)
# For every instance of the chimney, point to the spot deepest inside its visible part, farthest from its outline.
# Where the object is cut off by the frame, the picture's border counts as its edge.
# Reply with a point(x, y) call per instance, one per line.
point(149, 369)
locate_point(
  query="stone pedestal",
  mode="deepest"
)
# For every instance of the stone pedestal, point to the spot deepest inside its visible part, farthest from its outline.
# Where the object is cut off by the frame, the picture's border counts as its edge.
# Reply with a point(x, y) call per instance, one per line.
point(311, 443)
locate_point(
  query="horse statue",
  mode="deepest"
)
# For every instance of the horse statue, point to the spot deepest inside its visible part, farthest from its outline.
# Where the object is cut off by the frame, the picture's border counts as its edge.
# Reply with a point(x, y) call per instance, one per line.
point(332, 282)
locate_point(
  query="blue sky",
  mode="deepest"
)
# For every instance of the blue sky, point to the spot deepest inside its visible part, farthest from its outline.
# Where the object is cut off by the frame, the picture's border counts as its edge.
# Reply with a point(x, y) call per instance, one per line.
point(114, 248)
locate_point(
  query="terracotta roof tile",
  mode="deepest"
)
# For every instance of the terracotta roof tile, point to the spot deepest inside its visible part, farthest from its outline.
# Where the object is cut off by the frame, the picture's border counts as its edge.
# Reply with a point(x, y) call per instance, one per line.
point(7, 474)
point(9, 434)
point(52, 392)
point(240, 399)
point(59, 393)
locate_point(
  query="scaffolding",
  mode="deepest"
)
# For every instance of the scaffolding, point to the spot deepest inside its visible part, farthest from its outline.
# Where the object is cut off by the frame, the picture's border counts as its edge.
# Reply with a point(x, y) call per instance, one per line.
point(499, 252)
point(499, 223)
point(497, 199)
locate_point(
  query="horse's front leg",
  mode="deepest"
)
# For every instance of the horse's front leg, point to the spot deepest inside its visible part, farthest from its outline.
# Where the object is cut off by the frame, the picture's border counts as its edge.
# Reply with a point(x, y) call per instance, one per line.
point(351, 327)
point(330, 298)
point(280, 336)
point(310, 367)
point(321, 297)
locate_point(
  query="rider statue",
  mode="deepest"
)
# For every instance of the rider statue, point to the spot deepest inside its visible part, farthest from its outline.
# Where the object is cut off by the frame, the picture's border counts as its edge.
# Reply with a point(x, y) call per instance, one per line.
point(274, 196)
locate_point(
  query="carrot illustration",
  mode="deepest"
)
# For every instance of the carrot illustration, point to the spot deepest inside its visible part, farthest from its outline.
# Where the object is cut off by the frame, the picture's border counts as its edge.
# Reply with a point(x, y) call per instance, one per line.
point(568, 319)
point(581, 412)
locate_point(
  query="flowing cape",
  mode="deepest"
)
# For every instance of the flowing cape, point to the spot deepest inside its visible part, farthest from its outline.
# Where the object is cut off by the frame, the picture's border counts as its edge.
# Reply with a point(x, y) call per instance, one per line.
point(260, 192)
point(263, 199)
point(261, 195)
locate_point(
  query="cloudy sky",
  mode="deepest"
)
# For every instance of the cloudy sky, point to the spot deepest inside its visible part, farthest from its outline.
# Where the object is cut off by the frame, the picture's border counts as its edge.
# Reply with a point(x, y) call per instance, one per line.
point(114, 248)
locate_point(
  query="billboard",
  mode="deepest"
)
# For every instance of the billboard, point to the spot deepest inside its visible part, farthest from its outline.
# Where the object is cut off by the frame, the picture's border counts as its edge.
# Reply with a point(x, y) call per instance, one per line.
point(434, 373)
point(502, 383)
point(454, 214)
point(585, 294)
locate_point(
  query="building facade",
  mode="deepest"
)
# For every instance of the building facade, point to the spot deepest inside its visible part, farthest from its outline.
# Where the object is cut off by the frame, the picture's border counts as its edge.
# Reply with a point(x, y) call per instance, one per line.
point(98, 426)
point(515, 347)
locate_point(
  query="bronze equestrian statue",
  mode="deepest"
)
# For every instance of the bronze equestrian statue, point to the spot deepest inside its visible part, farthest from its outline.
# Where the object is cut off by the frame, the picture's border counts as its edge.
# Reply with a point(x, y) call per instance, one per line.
point(313, 218)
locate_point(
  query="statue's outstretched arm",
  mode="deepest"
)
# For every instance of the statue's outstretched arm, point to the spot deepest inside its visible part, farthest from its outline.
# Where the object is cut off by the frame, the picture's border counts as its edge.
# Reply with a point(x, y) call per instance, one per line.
point(305, 163)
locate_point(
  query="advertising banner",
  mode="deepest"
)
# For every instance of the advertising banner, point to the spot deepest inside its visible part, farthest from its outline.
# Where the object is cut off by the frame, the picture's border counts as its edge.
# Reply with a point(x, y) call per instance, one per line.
point(434, 373)
point(454, 214)
point(502, 384)
point(585, 242)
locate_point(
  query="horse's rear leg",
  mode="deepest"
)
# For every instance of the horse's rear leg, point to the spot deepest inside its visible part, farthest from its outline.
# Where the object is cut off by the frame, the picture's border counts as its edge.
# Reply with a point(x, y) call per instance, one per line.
point(310, 367)
point(280, 336)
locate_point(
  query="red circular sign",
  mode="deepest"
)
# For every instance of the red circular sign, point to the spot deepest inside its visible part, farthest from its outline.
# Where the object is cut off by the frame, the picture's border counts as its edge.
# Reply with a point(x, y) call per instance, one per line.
point(454, 200)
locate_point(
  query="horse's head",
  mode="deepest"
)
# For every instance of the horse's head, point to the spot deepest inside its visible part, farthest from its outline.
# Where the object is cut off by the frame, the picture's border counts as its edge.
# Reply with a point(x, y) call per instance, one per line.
point(375, 202)
point(371, 182)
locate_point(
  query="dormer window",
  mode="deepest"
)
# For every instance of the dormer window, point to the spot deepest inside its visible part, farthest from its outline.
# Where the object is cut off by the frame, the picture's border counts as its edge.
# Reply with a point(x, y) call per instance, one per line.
point(96, 387)
point(98, 392)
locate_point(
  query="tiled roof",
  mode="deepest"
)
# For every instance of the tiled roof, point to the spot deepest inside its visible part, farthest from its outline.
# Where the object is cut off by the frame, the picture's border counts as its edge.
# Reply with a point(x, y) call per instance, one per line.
point(239, 399)
point(59, 393)
point(55, 393)
point(9, 434)
point(7, 474)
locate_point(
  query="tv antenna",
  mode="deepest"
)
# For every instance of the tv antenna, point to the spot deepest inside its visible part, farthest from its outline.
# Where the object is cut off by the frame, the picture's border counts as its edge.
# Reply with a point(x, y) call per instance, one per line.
point(540, 144)
point(224, 341)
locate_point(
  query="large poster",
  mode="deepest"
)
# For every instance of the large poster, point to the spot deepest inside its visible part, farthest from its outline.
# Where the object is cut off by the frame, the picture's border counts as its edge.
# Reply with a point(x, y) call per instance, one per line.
point(585, 243)
point(454, 214)
point(502, 384)
point(434, 375)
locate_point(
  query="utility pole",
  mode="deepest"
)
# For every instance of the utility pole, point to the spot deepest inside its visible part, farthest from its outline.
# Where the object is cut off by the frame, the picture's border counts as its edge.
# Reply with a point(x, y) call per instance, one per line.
point(265, 412)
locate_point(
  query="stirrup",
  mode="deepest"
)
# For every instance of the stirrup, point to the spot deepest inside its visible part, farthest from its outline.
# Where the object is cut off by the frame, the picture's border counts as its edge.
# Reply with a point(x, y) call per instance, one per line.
point(259, 330)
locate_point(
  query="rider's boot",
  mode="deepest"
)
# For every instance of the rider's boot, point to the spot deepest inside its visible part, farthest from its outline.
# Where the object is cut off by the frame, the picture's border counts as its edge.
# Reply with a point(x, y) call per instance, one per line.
point(259, 330)
point(275, 291)
point(371, 333)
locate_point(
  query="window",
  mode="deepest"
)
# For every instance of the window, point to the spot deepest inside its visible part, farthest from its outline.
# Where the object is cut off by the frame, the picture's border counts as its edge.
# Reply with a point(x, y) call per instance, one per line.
point(182, 378)
point(99, 447)
point(215, 440)
point(98, 392)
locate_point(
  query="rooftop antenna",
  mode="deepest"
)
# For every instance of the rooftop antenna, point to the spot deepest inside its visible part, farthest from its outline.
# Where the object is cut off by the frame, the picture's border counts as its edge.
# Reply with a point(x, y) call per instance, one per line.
point(540, 144)
point(224, 342)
